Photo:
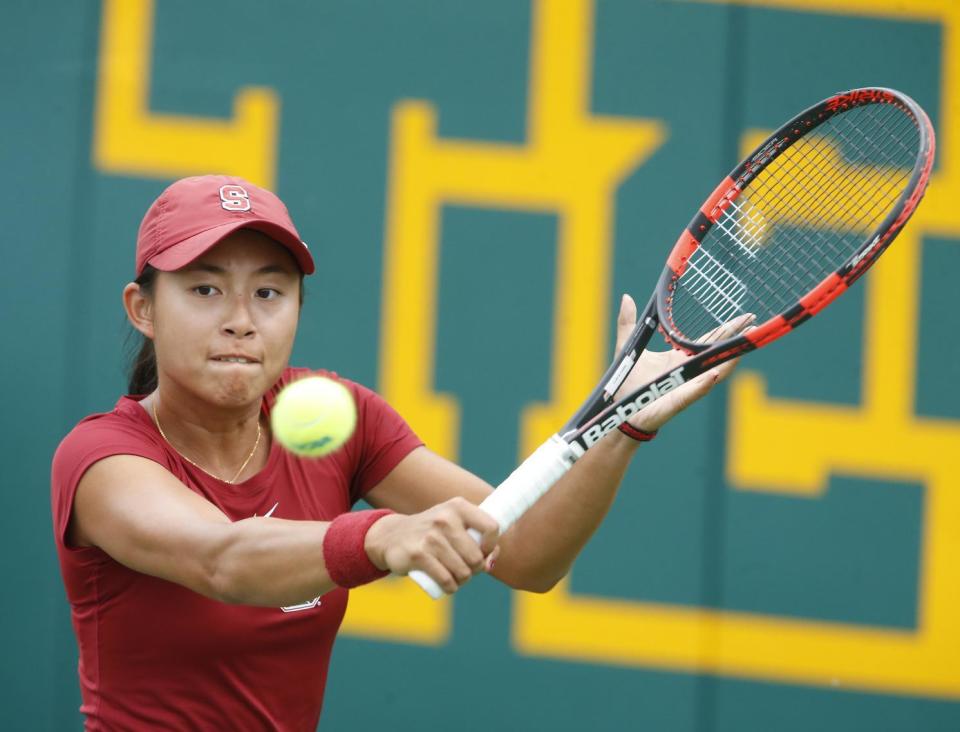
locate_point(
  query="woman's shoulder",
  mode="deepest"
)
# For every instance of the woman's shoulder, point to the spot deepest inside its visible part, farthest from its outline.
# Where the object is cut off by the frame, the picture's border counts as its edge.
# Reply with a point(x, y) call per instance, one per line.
point(127, 416)
point(125, 430)
point(126, 425)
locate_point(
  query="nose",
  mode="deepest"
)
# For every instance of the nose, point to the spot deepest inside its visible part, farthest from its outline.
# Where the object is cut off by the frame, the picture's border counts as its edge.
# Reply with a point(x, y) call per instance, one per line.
point(238, 323)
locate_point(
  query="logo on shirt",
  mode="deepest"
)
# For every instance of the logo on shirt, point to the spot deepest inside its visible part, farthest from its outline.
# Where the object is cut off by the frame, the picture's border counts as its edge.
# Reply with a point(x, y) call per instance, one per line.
point(269, 513)
point(303, 605)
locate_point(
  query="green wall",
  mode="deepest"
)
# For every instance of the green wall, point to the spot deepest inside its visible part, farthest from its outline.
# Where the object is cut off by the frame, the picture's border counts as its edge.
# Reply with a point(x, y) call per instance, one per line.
point(847, 557)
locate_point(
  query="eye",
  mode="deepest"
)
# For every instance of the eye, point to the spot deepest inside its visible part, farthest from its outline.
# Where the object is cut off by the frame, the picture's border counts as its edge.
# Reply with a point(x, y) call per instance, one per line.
point(205, 290)
point(267, 293)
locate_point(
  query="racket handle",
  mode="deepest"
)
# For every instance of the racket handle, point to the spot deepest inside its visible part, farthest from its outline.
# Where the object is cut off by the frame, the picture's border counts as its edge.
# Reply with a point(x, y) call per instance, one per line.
point(522, 488)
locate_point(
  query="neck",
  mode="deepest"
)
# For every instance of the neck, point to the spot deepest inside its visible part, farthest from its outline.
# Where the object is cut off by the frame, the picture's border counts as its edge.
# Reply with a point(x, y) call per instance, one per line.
point(225, 442)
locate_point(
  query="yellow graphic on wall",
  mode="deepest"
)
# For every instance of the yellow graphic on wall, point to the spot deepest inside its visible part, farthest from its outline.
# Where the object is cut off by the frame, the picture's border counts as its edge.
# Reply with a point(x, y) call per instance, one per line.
point(570, 165)
point(129, 139)
point(881, 438)
point(426, 172)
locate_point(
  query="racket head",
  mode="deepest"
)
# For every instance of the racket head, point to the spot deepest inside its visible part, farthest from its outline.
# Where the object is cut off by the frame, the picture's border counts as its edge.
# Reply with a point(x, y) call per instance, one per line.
point(796, 222)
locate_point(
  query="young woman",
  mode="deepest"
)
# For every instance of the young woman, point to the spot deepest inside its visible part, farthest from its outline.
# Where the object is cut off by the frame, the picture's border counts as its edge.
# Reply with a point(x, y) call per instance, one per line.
point(207, 568)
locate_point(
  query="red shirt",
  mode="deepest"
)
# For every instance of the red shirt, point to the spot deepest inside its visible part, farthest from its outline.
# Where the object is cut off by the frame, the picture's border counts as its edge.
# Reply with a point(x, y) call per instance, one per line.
point(155, 655)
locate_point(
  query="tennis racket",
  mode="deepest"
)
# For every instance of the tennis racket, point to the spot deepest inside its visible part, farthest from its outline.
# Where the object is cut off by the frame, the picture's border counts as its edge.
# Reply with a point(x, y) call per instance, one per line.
point(793, 226)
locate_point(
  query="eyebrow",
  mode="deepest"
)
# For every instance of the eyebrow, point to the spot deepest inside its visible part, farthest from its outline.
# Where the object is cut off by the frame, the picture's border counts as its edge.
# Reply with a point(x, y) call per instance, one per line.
point(214, 269)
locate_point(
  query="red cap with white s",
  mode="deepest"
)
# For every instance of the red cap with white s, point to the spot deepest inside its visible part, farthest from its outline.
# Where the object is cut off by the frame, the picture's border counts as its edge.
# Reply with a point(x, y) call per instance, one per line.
point(194, 214)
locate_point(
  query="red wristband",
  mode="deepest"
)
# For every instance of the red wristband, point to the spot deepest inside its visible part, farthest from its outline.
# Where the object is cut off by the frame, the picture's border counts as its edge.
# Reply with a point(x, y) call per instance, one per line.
point(347, 562)
point(639, 435)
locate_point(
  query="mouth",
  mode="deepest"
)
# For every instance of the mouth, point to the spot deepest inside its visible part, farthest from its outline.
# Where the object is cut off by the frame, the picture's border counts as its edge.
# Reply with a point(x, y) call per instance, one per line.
point(235, 359)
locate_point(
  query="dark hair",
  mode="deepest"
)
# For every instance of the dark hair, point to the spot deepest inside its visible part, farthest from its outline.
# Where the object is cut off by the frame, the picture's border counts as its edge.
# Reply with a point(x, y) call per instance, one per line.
point(142, 377)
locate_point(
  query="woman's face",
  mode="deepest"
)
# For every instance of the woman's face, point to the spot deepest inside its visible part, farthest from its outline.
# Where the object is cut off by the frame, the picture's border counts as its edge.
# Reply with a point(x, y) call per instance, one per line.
point(224, 325)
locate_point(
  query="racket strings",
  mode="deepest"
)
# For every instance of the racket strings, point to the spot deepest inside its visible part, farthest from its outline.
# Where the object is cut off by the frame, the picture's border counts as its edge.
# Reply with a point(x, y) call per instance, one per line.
point(884, 184)
point(791, 190)
point(847, 181)
point(716, 288)
point(846, 206)
point(800, 265)
point(906, 122)
point(845, 193)
point(859, 203)
point(798, 220)
point(805, 209)
point(776, 289)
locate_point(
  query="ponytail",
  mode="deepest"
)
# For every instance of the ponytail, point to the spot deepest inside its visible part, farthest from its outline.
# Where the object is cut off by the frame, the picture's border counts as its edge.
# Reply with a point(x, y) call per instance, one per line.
point(143, 367)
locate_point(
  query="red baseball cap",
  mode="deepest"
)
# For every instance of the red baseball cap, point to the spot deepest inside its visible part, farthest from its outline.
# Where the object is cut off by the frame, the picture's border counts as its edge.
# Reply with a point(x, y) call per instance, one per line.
point(194, 214)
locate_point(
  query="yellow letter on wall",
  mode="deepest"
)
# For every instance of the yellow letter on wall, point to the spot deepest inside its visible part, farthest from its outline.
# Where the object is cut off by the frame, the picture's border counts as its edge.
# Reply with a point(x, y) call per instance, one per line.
point(130, 140)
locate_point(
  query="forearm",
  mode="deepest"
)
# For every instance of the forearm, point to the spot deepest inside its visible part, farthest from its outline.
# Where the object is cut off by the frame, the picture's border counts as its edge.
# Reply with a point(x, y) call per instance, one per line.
point(271, 562)
point(541, 547)
point(536, 552)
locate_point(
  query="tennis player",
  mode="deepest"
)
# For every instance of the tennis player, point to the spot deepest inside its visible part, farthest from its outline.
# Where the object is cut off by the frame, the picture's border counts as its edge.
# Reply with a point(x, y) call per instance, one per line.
point(208, 569)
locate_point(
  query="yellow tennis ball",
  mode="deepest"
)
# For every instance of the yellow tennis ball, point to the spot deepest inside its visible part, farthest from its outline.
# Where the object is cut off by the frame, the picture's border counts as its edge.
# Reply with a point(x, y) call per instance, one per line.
point(313, 416)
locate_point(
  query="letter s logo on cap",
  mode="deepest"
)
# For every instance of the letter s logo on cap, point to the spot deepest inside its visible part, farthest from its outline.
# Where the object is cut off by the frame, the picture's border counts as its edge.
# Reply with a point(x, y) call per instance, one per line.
point(234, 198)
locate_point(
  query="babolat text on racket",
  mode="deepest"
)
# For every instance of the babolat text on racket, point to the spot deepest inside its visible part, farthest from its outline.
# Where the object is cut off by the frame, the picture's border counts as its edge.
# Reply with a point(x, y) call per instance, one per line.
point(792, 227)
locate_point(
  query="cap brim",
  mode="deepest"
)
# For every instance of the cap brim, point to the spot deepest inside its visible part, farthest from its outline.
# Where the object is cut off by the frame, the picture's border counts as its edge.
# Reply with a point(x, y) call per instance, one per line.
point(186, 251)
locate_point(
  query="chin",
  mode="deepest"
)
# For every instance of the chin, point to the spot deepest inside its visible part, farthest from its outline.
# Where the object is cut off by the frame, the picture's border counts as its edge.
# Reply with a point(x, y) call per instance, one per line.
point(236, 391)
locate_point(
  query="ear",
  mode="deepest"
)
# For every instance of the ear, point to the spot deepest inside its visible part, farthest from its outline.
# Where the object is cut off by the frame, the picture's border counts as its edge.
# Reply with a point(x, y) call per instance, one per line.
point(139, 309)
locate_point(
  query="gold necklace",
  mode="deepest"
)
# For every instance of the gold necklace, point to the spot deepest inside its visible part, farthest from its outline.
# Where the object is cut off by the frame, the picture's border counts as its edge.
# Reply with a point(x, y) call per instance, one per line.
point(245, 462)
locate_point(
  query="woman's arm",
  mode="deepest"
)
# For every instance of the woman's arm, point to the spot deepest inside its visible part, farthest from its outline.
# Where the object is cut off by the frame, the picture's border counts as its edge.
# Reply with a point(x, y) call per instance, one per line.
point(537, 551)
point(142, 516)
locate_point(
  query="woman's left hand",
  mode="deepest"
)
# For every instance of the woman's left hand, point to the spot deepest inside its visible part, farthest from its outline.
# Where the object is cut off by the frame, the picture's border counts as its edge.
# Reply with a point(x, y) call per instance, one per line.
point(651, 364)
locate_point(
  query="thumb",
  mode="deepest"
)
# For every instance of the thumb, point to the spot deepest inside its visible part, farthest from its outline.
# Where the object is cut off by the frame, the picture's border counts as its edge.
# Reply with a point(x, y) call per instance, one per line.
point(626, 320)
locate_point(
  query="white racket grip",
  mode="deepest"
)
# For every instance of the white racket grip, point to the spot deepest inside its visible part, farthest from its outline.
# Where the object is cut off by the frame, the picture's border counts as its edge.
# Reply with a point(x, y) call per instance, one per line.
point(521, 489)
point(525, 485)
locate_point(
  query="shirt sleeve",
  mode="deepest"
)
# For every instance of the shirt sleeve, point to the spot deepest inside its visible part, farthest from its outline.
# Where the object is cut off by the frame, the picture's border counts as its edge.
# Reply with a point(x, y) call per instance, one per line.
point(386, 439)
point(93, 439)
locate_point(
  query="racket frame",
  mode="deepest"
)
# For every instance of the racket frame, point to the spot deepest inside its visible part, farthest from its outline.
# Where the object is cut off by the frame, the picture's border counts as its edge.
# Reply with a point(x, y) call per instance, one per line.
point(848, 272)
point(599, 414)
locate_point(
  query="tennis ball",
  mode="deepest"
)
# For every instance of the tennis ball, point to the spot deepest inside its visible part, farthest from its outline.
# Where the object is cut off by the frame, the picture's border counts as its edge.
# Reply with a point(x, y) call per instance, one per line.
point(313, 416)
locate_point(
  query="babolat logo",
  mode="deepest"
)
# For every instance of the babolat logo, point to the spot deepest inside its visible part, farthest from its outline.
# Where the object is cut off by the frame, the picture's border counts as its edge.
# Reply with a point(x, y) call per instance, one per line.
point(863, 255)
point(627, 410)
point(859, 96)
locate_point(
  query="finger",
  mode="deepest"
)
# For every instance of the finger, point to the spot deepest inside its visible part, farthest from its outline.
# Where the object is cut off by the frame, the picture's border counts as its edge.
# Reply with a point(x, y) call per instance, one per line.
point(437, 572)
point(469, 551)
point(668, 360)
point(743, 323)
point(702, 384)
point(626, 320)
point(725, 369)
point(491, 559)
point(484, 524)
point(728, 329)
point(444, 551)
point(698, 387)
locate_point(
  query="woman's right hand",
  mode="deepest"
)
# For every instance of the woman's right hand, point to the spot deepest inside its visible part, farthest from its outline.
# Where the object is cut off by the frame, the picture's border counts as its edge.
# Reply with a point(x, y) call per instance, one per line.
point(436, 541)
